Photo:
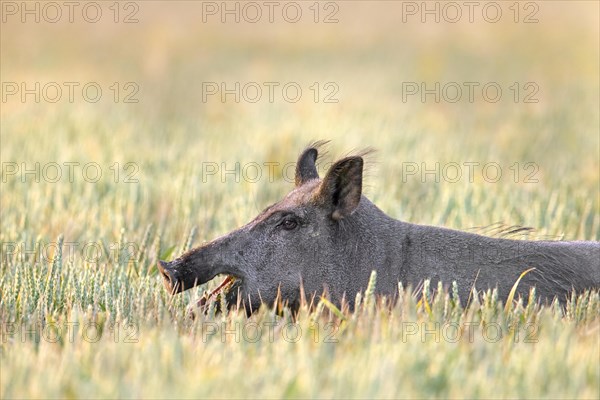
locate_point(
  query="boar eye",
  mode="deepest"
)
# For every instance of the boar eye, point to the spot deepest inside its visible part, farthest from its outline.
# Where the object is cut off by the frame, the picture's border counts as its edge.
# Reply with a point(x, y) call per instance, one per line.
point(289, 224)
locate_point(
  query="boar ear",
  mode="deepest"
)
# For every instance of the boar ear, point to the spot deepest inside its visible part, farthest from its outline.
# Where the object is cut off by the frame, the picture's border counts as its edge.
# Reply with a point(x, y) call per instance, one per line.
point(306, 168)
point(342, 187)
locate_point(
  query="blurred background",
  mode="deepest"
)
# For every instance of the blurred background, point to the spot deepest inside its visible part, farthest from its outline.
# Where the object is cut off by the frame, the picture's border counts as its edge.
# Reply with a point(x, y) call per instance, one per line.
point(169, 111)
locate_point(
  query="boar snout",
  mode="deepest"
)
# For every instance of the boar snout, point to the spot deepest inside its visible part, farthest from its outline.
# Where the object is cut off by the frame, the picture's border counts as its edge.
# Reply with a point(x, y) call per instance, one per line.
point(171, 280)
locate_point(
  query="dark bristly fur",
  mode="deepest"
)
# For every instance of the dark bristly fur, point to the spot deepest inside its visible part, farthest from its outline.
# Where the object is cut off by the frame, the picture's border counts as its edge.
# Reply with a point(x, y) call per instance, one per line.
point(326, 236)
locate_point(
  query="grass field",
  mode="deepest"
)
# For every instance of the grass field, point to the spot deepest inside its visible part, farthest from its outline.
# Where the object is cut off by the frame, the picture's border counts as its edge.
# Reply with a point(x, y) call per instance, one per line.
point(94, 193)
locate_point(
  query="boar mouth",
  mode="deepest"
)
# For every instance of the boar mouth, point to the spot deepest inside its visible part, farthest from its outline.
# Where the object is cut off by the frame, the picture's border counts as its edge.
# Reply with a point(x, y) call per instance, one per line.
point(175, 281)
point(227, 288)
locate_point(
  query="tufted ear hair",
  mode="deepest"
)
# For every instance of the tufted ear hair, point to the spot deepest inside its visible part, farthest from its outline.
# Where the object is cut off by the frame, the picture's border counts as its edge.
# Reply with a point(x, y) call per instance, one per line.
point(341, 188)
